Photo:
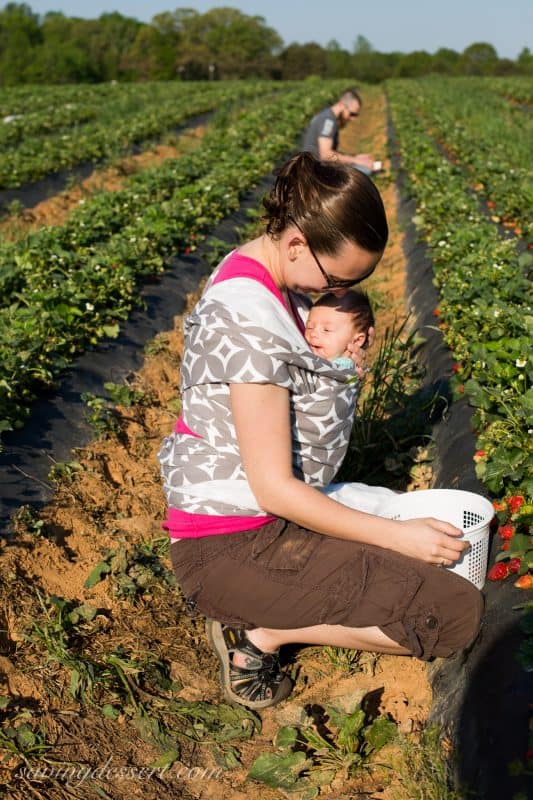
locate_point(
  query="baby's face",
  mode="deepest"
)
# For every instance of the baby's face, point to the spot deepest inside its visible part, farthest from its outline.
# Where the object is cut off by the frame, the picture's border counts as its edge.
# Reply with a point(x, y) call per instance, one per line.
point(329, 331)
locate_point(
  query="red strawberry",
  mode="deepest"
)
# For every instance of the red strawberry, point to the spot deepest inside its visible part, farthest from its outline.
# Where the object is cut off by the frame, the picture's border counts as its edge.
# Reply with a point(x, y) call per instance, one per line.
point(456, 368)
point(498, 572)
point(515, 502)
point(506, 531)
point(491, 204)
point(514, 564)
point(461, 388)
point(524, 582)
point(505, 546)
point(436, 312)
point(479, 455)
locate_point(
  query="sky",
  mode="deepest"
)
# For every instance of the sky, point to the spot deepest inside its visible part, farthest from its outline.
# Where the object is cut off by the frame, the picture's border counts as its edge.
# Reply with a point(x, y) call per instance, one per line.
point(389, 25)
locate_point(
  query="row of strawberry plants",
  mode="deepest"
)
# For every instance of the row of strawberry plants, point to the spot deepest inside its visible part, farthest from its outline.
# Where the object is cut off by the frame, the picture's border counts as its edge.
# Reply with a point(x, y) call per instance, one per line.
point(17, 99)
point(123, 124)
point(516, 89)
point(14, 128)
point(71, 293)
point(40, 110)
point(485, 315)
point(484, 134)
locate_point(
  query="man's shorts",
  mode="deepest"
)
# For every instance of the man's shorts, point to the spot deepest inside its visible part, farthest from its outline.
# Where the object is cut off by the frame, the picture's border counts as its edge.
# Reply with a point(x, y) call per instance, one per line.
point(282, 576)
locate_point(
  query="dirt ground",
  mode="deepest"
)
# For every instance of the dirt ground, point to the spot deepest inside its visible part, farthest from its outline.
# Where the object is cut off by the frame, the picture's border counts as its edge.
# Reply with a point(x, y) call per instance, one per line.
point(112, 498)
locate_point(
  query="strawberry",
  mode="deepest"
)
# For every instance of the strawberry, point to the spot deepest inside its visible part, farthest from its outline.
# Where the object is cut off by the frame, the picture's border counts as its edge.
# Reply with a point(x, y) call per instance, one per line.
point(461, 388)
point(456, 368)
point(436, 312)
point(505, 546)
point(498, 572)
point(499, 505)
point(514, 564)
point(491, 204)
point(506, 531)
point(515, 502)
point(479, 455)
point(524, 582)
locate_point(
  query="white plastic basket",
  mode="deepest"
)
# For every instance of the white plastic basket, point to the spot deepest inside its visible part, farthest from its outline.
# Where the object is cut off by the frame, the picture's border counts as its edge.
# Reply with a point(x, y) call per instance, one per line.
point(466, 510)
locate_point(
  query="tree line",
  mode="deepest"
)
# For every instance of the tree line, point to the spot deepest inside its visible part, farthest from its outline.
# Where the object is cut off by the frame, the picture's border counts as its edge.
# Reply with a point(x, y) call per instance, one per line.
point(221, 44)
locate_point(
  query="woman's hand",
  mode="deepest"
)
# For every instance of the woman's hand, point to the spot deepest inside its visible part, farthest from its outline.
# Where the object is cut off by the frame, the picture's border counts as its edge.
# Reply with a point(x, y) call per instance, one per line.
point(431, 540)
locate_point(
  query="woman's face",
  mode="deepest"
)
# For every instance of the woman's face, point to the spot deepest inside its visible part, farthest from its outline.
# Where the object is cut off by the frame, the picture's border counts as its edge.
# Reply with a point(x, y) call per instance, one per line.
point(302, 271)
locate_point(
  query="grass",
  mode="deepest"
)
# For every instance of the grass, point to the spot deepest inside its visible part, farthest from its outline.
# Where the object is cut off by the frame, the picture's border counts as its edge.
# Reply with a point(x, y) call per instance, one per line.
point(423, 770)
point(394, 415)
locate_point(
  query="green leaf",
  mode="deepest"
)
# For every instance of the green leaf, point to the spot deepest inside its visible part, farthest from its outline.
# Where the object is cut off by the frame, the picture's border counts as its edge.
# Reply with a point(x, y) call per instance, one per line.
point(380, 732)
point(305, 790)
point(227, 758)
point(349, 733)
point(279, 771)
point(166, 760)
point(85, 612)
point(110, 711)
point(111, 331)
point(97, 574)
point(286, 738)
point(322, 777)
point(525, 656)
point(25, 737)
point(75, 683)
point(526, 621)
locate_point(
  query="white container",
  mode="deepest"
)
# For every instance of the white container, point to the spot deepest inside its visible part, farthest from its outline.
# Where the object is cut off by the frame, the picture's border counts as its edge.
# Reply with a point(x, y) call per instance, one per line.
point(466, 510)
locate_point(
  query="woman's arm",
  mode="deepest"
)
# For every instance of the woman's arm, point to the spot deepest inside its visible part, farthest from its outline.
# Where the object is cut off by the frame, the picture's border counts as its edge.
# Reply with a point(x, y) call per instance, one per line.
point(262, 421)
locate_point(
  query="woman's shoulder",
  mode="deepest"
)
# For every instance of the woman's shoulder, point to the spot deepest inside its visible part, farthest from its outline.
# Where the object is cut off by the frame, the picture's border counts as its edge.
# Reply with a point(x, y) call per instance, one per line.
point(239, 265)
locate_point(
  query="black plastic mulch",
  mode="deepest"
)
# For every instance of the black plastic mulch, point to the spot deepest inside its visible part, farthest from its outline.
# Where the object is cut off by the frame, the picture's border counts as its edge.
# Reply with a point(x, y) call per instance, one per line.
point(481, 695)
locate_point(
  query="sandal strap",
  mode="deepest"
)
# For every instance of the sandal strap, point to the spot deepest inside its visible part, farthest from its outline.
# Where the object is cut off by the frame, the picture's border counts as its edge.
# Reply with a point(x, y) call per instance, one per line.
point(261, 675)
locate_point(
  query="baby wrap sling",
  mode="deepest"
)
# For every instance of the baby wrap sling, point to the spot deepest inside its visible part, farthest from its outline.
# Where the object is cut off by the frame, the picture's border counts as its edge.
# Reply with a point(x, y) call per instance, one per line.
point(241, 332)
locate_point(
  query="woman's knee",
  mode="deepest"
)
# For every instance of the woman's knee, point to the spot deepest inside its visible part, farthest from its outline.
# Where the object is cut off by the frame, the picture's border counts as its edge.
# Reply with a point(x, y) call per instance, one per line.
point(441, 620)
point(461, 620)
point(466, 622)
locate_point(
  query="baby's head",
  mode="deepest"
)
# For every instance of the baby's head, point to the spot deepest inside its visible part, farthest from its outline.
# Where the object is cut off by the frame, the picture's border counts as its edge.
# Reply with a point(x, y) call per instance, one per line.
point(334, 322)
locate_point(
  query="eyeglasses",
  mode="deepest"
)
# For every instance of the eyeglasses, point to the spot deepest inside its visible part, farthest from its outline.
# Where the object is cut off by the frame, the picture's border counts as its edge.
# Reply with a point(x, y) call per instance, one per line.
point(351, 113)
point(331, 281)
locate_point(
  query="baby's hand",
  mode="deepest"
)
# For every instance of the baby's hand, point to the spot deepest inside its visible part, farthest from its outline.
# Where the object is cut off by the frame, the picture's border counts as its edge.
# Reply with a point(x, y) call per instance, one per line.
point(357, 353)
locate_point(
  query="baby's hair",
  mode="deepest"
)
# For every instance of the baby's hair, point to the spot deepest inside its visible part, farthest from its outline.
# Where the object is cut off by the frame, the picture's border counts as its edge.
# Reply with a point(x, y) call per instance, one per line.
point(354, 302)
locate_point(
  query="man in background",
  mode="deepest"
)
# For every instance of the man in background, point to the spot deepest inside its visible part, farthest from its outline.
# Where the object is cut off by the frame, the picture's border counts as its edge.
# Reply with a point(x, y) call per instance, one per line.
point(322, 135)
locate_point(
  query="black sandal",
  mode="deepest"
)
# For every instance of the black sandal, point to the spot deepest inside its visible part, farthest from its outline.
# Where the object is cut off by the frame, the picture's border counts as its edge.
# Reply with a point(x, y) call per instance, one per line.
point(259, 684)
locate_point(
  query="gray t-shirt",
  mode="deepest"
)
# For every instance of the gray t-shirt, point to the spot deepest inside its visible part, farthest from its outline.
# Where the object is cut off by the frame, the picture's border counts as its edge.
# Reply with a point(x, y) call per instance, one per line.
point(323, 124)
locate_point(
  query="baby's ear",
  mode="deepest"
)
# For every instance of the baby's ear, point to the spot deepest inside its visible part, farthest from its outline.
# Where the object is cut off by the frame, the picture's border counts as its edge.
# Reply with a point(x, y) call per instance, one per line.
point(359, 339)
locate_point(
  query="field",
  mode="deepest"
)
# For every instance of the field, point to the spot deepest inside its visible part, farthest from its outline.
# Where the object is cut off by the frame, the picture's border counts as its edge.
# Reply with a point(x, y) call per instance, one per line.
point(107, 686)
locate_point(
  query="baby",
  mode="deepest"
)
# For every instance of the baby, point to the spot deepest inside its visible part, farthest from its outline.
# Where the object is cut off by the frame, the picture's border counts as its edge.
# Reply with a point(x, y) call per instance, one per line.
point(334, 322)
